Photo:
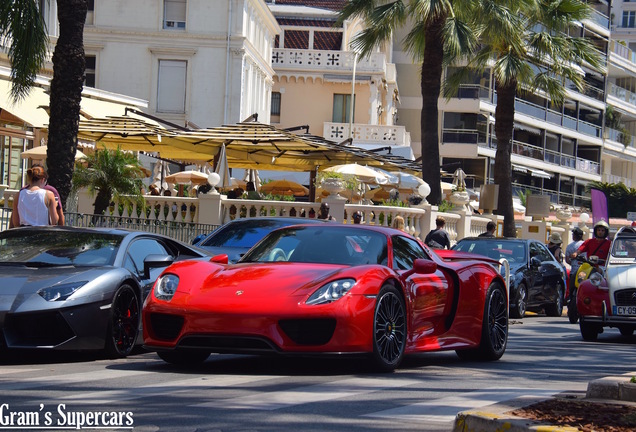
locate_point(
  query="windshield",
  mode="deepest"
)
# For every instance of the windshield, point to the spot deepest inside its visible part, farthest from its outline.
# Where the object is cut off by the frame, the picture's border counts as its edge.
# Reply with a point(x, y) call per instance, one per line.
point(624, 247)
point(326, 245)
point(241, 235)
point(58, 248)
point(513, 251)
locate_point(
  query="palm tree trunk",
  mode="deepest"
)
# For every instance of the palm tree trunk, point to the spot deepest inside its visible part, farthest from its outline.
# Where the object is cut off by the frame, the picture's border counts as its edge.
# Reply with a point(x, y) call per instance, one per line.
point(504, 123)
point(430, 86)
point(66, 94)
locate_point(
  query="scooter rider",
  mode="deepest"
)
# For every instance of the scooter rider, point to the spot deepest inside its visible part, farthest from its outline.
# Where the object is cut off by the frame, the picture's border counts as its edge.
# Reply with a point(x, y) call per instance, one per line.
point(599, 245)
point(577, 241)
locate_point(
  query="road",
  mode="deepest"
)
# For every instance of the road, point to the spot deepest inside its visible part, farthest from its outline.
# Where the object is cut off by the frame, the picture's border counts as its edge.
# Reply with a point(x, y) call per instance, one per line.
point(249, 393)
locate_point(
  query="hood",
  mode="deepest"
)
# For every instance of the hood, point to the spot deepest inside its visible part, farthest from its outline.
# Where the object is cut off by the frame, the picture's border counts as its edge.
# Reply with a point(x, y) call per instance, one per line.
point(268, 280)
point(19, 285)
point(621, 276)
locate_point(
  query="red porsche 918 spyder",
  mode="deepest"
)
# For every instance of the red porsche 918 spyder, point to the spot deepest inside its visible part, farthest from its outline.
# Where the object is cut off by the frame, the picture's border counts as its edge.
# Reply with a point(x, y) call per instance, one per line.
point(330, 289)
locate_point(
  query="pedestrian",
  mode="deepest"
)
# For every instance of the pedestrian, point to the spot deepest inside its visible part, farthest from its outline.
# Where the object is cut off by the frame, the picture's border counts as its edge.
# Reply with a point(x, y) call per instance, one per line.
point(34, 205)
point(252, 193)
point(490, 230)
point(323, 212)
point(438, 238)
point(357, 217)
point(60, 211)
point(398, 223)
point(554, 245)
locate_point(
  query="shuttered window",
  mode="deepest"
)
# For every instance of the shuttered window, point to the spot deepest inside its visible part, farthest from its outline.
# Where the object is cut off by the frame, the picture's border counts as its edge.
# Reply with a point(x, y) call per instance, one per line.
point(171, 92)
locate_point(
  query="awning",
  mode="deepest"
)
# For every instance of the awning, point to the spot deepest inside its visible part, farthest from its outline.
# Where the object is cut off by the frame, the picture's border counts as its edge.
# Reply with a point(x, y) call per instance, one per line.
point(519, 168)
point(539, 173)
point(29, 109)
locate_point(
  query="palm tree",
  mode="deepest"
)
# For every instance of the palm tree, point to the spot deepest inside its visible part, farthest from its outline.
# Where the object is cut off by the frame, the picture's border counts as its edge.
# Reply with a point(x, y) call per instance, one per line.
point(109, 174)
point(21, 24)
point(438, 35)
point(529, 46)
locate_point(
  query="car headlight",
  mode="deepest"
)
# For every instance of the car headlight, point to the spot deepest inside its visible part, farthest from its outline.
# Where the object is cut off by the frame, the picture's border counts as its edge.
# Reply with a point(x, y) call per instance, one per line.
point(166, 286)
point(60, 292)
point(331, 292)
point(596, 279)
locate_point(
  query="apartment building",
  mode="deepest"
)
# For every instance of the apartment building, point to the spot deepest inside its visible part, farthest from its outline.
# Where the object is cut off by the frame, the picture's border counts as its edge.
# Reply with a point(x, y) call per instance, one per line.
point(314, 83)
point(197, 62)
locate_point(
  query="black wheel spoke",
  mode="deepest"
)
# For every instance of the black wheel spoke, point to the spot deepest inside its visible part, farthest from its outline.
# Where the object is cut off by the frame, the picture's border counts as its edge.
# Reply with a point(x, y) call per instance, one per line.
point(390, 327)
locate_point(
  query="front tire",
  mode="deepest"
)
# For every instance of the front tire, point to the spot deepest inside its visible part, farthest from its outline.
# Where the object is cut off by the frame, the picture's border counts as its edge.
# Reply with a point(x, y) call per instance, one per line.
point(589, 331)
point(123, 325)
point(556, 309)
point(494, 329)
point(389, 329)
point(573, 312)
point(518, 310)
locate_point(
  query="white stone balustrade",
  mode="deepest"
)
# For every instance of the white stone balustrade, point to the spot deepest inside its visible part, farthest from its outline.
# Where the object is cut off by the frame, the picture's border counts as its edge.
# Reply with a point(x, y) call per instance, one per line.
point(326, 60)
point(367, 134)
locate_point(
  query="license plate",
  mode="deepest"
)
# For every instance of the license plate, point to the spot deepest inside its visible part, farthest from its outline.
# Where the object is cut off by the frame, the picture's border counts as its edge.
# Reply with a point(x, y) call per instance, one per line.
point(624, 310)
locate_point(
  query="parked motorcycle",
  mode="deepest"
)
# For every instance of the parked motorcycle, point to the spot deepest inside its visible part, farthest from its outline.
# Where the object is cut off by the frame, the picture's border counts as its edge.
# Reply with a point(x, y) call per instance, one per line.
point(588, 266)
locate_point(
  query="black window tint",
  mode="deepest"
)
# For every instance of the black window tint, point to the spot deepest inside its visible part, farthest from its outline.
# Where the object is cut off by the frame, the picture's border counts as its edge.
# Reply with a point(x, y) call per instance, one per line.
point(405, 251)
point(241, 235)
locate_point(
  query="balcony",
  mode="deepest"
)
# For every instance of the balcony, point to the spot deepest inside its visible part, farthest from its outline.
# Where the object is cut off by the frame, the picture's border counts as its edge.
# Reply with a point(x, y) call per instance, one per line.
point(325, 61)
point(368, 134)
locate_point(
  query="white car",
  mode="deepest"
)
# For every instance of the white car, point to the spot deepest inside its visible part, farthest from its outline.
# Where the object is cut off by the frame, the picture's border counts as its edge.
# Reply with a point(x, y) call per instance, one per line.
point(608, 298)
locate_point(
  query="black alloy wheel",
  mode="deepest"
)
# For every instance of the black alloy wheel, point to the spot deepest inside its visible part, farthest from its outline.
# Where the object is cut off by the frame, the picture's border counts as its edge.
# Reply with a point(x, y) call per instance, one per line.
point(389, 329)
point(123, 326)
point(494, 332)
point(518, 310)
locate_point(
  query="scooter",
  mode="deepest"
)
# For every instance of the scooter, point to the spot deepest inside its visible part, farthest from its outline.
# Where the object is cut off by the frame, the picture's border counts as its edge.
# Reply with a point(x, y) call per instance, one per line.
point(587, 267)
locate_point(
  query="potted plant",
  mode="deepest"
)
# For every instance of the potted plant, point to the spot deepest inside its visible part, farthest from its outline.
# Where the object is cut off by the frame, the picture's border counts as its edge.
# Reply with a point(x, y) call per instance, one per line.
point(332, 182)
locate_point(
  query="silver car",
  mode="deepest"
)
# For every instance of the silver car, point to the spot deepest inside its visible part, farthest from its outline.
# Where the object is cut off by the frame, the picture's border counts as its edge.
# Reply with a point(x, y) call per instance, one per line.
point(79, 288)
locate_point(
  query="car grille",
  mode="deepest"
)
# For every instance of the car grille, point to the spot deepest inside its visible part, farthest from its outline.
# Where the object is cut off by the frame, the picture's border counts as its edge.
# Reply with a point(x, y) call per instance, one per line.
point(166, 327)
point(626, 297)
point(230, 344)
point(38, 329)
point(309, 331)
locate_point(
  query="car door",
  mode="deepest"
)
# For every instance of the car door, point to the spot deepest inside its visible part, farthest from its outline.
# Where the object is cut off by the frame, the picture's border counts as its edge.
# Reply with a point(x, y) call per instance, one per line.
point(546, 273)
point(428, 294)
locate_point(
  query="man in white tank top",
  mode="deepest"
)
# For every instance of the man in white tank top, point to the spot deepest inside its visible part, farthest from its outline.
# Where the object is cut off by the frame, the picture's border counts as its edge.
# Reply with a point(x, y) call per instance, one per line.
point(35, 205)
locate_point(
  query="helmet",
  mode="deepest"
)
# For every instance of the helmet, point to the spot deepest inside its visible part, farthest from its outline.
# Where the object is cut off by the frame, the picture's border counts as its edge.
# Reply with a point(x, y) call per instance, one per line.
point(602, 224)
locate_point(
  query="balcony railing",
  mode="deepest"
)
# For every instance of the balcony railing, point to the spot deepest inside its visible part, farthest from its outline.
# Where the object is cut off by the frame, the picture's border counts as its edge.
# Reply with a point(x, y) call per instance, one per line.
point(549, 156)
point(542, 113)
point(368, 134)
point(622, 94)
point(327, 60)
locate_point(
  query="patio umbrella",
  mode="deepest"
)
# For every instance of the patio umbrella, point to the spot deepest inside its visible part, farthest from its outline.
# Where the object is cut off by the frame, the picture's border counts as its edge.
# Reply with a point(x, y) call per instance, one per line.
point(377, 194)
point(39, 153)
point(361, 172)
point(284, 187)
point(143, 170)
point(251, 175)
point(159, 174)
point(222, 168)
point(187, 177)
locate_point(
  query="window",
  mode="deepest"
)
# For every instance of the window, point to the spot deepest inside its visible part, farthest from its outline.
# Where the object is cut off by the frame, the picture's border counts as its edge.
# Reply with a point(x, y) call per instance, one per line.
point(342, 108)
point(275, 109)
point(139, 250)
point(90, 14)
point(89, 73)
point(629, 18)
point(174, 14)
point(171, 92)
point(405, 252)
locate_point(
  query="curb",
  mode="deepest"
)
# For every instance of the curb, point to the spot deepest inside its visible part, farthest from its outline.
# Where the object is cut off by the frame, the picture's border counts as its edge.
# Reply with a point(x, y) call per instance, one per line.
point(498, 418)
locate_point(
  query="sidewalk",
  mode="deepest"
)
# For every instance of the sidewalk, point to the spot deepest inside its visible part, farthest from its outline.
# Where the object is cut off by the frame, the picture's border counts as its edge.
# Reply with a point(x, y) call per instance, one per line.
point(499, 417)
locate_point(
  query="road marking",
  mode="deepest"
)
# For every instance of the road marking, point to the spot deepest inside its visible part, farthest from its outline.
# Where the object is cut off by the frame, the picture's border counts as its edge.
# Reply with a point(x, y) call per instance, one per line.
point(308, 394)
point(445, 409)
point(98, 375)
point(6, 371)
point(167, 388)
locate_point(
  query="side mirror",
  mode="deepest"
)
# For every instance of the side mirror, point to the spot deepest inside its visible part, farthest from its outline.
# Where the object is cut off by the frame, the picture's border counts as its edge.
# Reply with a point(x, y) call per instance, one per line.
point(156, 261)
point(535, 262)
point(220, 259)
point(421, 266)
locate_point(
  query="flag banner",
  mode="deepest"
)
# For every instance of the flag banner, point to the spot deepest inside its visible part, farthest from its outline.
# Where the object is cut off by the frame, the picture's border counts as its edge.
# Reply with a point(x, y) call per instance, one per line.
point(599, 206)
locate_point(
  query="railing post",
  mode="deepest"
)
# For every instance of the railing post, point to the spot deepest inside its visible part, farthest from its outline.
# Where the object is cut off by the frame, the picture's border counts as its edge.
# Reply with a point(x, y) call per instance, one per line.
point(210, 209)
point(336, 207)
